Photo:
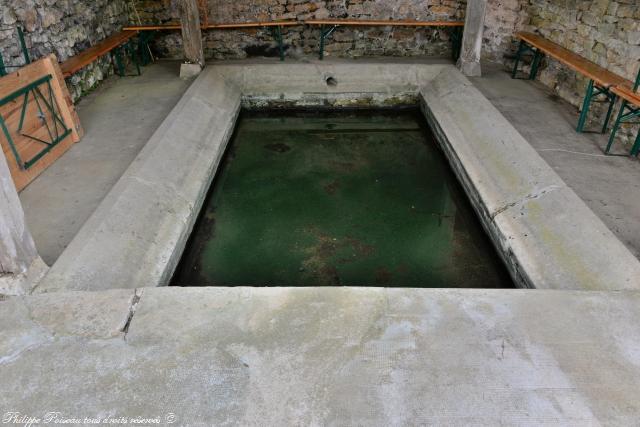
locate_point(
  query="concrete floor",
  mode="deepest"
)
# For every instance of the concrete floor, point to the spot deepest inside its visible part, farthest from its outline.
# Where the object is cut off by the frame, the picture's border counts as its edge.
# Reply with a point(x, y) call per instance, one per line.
point(609, 185)
point(118, 119)
point(333, 356)
point(122, 114)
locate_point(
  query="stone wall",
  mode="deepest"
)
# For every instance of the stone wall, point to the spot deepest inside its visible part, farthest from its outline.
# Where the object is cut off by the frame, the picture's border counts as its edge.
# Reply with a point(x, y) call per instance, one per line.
point(502, 20)
point(606, 32)
point(347, 42)
point(62, 27)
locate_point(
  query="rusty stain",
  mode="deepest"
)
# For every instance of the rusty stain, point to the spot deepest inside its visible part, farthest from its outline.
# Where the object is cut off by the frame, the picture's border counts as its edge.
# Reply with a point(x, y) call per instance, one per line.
point(320, 264)
point(383, 276)
point(332, 187)
point(278, 147)
point(344, 166)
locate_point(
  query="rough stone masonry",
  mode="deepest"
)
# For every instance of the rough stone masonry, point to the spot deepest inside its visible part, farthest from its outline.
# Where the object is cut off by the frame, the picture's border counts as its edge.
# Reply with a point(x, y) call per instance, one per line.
point(604, 31)
point(62, 27)
point(346, 42)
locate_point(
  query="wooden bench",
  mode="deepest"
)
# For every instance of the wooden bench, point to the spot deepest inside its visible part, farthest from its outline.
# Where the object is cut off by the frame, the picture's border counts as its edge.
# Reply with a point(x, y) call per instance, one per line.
point(333, 24)
point(116, 42)
point(274, 26)
point(601, 80)
point(629, 110)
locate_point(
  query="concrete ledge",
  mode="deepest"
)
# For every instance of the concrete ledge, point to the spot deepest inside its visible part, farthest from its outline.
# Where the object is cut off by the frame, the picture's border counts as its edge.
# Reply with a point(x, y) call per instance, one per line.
point(548, 237)
point(325, 356)
point(136, 236)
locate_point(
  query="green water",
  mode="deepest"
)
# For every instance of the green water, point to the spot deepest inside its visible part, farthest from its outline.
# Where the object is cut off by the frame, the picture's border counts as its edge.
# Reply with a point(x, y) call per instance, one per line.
point(337, 199)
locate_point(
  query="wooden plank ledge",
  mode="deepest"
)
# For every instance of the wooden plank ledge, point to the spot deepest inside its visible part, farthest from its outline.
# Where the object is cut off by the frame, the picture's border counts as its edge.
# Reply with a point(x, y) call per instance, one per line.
point(601, 76)
point(383, 23)
point(230, 25)
point(627, 94)
point(86, 57)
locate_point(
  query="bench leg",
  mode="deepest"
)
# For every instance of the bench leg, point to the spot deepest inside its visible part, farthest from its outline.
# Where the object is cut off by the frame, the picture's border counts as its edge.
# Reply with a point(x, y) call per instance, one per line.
point(323, 36)
point(537, 56)
point(23, 46)
point(144, 51)
point(612, 100)
point(3, 70)
point(321, 53)
point(518, 54)
point(586, 103)
point(277, 34)
point(635, 150)
point(456, 42)
point(134, 56)
point(614, 129)
point(117, 56)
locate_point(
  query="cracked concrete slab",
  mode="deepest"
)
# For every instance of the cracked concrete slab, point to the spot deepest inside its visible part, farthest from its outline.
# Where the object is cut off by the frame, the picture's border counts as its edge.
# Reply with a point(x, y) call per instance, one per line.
point(331, 356)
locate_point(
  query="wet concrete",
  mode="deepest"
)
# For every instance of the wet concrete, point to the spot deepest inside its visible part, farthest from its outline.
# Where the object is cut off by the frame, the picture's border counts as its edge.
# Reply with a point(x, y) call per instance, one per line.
point(338, 198)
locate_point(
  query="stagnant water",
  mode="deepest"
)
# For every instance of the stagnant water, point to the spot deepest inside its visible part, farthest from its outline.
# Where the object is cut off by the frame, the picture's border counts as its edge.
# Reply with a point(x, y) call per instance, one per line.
point(337, 198)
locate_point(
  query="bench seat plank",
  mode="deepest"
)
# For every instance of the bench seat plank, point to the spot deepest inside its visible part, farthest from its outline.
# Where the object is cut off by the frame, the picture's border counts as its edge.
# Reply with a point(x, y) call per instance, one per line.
point(383, 23)
point(229, 25)
point(593, 71)
point(627, 94)
point(81, 60)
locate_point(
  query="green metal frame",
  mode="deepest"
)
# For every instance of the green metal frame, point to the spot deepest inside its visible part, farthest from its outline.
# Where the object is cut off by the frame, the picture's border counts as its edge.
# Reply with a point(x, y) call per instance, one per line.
point(117, 55)
point(524, 48)
point(25, 53)
point(456, 42)
point(57, 130)
point(144, 37)
point(627, 113)
point(276, 32)
point(593, 90)
point(324, 34)
point(23, 45)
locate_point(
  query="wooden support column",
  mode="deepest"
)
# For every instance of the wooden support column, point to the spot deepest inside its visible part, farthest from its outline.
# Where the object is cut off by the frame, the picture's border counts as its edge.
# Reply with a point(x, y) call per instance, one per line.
point(191, 38)
point(17, 250)
point(469, 62)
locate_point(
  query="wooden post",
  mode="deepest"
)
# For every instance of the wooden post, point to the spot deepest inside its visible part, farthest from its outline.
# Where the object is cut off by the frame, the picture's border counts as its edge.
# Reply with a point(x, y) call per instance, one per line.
point(17, 250)
point(191, 38)
point(469, 61)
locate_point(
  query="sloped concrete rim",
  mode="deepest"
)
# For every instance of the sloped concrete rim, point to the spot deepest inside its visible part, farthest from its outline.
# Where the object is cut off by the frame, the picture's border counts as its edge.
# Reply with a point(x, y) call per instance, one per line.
point(138, 249)
point(547, 236)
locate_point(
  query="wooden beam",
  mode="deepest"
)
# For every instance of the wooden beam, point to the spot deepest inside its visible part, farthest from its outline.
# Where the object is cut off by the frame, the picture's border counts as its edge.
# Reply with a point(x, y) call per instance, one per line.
point(191, 33)
point(17, 250)
point(469, 61)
